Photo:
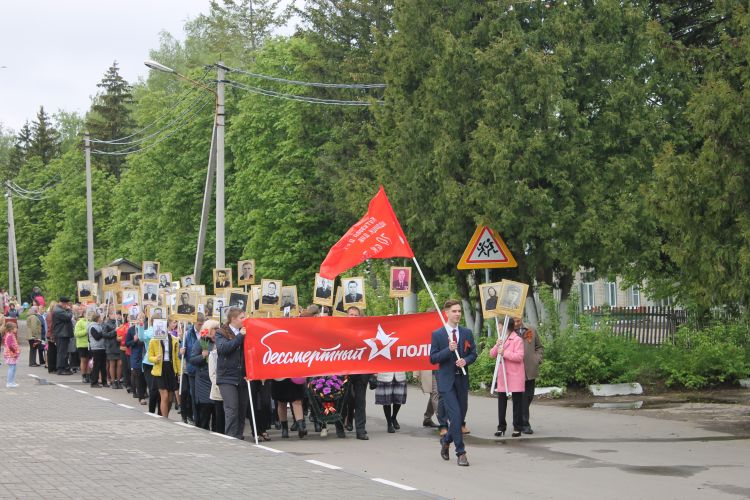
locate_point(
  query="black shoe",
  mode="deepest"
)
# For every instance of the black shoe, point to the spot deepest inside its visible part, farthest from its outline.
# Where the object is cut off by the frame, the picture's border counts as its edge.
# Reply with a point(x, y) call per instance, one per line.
point(391, 429)
point(349, 427)
point(500, 431)
point(302, 429)
point(294, 427)
point(284, 430)
point(445, 450)
point(340, 432)
point(33, 365)
point(462, 460)
point(64, 372)
point(395, 424)
point(516, 434)
point(363, 436)
point(428, 423)
point(527, 430)
point(96, 386)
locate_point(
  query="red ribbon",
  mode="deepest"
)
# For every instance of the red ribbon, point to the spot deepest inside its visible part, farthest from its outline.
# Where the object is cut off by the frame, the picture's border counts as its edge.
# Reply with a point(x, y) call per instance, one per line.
point(329, 408)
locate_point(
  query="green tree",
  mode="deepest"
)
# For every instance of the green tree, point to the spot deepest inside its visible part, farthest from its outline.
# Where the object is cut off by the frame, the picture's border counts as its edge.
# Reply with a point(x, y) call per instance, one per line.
point(45, 139)
point(109, 118)
point(19, 153)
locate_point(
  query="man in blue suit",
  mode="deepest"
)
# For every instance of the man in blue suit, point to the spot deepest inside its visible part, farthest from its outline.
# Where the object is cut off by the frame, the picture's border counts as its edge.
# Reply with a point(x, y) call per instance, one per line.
point(453, 384)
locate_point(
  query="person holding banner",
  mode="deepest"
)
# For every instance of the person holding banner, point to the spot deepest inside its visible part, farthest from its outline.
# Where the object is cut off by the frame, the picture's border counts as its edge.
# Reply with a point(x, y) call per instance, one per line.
point(453, 376)
point(513, 380)
point(230, 372)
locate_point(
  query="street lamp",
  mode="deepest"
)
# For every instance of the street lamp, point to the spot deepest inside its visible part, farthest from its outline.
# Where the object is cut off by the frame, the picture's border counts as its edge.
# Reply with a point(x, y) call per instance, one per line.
point(216, 158)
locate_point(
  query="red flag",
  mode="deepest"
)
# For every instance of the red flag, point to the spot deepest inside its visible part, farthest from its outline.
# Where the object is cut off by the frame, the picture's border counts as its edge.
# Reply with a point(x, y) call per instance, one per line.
point(377, 235)
point(305, 347)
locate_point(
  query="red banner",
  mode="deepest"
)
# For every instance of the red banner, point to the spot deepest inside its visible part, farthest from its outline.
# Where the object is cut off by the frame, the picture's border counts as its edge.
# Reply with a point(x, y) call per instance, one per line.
point(306, 347)
point(377, 235)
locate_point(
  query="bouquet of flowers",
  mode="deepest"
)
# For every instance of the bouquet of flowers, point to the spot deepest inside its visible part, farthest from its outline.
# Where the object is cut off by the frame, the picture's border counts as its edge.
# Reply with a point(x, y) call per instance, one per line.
point(328, 392)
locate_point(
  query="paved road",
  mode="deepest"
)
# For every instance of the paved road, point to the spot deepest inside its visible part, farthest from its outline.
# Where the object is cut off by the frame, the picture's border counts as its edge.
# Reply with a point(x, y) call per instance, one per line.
point(81, 441)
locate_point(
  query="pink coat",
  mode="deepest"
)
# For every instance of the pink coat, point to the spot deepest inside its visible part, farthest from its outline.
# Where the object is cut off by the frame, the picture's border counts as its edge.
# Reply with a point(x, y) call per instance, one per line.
point(513, 355)
point(12, 351)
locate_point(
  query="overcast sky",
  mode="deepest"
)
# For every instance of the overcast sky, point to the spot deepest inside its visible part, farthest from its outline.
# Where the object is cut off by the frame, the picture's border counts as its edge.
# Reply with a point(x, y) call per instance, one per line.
point(54, 52)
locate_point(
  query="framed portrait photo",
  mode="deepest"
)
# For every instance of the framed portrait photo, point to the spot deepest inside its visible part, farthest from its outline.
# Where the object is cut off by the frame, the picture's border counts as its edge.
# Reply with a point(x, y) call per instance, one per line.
point(206, 305)
point(220, 304)
point(159, 327)
point(150, 270)
point(400, 282)
point(87, 291)
point(289, 304)
point(165, 281)
point(323, 291)
point(222, 279)
point(135, 279)
point(129, 298)
point(187, 305)
point(156, 312)
point(150, 293)
point(246, 272)
point(338, 309)
point(354, 291)
point(110, 278)
point(254, 298)
point(270, 298)
point(489, 294)
point(512, 299)
point(110, 298)
point(200, 289)
point(187, 281)
point(239, 300)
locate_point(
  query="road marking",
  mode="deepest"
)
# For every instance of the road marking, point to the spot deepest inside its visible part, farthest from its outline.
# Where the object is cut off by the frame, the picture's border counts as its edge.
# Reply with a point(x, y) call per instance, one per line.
point(63, 386)
point(152, 414)
point(80, 391)
point(222, 435)
point(395, 485)
point(268, 448)
point(183, 424)
point(101, 398)
point(125, 406)
point(323, 464)
point(32, 375)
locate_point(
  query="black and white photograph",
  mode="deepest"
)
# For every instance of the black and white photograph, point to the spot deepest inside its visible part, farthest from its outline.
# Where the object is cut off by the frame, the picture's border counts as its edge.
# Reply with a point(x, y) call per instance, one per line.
point(150, 270)
point(238, 299)
point(490, 296)
point(289, 302)
point(354, 291)
point(246, 272)
point(187, 281)
point(135, 279)
point(110, 278)
point(222, 279)
point(323, 292)
point(400, 282)
point(165, 281)
point(87, 291)
point(159, 327)
point(512, 298)
point(187, 305)
point(255, 298)
point(199, 289)
point(270, 295)
point(220, 303)
point(206, 305)
point(156, 312)
point(338, 309)
point(149, 292)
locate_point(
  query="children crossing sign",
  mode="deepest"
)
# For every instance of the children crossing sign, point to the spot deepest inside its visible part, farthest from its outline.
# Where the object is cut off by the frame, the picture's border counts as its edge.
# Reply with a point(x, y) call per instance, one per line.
point(486, 250)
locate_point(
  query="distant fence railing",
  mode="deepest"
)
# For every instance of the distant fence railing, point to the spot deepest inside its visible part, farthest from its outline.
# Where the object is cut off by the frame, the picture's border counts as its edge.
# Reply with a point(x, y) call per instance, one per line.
point(648, 325)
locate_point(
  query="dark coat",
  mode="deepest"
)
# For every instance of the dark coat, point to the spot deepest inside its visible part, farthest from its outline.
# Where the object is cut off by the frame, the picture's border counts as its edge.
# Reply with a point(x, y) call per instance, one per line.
point(441, 354)
point(202, 381)
point(62, 323)
point(190, 341)
point(109, 332)
point(230, 366)
point(137, 348)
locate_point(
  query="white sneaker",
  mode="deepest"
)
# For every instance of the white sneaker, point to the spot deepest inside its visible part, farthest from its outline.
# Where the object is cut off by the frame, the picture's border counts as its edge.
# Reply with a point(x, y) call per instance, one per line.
point(324, 432)
point(11, 385)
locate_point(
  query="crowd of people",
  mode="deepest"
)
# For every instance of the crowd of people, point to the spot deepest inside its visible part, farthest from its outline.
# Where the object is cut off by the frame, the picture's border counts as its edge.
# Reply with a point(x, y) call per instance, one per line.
point(199, 370)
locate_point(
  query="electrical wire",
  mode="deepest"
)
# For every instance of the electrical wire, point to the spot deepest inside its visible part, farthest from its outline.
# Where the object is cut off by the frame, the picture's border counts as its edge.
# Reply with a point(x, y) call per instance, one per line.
point(294, 97)
point(129, 150)
point(311, 84)
point(181, 98)
point(195, 103)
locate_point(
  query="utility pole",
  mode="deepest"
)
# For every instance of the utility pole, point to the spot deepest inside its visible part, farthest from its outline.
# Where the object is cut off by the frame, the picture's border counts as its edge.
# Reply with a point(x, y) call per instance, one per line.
point(220, 76)
point(89, 209)
point(208, 189)
point(12, 251)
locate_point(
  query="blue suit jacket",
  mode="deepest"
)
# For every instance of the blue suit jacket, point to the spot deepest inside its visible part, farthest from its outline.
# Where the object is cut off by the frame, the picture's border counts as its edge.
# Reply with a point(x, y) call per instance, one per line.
point(440, 354)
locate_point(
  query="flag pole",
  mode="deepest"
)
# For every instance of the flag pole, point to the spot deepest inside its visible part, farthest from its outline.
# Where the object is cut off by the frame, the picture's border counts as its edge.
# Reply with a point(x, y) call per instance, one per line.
point(437, 307)
point(500, 360)
point(252, 411)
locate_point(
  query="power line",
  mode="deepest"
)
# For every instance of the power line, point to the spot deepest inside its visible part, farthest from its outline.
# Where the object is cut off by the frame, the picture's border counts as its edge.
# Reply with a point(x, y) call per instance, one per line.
point(294, 97)
point(119, 141)
point(311, 84)
point(130, 150)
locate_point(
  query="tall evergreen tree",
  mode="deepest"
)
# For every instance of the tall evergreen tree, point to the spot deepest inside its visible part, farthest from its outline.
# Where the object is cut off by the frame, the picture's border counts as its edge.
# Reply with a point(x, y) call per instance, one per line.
point(110, 116)
point(45, 140)
point(19, 153)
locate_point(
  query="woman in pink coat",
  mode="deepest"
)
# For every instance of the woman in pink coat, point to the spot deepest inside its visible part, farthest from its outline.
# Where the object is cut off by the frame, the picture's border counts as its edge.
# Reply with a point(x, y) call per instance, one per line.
point(512, 352)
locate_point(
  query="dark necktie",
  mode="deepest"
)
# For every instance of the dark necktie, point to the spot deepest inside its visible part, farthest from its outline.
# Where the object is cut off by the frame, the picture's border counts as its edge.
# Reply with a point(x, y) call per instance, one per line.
point(454, 336)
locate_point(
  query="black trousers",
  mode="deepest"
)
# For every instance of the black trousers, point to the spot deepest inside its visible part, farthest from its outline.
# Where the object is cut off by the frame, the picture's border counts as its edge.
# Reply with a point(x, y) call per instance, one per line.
point(359, 400)
point(528, 396)
point(220, 422)
point(138, 382)
point(63, 346)
point(456, 401)
point(126, 378)
point(206, 416)
point(153, 392)
point(262, 404)
point(502, 407)
point(100, 366)
point(51, 357)
point(34, 350)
